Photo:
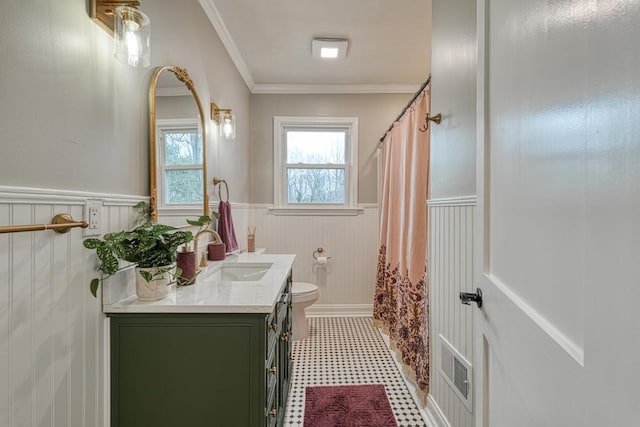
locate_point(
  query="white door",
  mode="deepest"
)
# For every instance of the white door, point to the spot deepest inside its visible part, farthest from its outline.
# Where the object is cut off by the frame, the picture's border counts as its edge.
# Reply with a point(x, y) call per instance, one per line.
point(558, 244)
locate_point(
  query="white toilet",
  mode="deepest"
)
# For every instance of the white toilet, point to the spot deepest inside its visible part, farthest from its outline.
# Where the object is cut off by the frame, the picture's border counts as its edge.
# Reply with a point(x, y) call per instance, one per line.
point(302, 296)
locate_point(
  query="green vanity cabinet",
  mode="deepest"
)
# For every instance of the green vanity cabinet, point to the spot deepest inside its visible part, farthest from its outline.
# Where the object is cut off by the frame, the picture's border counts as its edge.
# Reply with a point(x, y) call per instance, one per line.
point(201, 369)
point(283, 355)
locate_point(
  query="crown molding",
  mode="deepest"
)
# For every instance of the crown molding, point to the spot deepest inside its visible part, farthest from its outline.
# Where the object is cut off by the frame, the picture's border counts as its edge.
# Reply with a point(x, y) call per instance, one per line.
point(307, 89)
point(217, 22)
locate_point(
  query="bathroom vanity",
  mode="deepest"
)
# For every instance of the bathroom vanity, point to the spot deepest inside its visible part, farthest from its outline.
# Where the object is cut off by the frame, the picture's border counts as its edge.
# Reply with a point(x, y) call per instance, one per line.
point(216, 353)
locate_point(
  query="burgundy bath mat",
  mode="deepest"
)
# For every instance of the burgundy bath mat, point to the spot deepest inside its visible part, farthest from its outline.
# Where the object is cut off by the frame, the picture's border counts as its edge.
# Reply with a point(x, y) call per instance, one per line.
point(348, 406)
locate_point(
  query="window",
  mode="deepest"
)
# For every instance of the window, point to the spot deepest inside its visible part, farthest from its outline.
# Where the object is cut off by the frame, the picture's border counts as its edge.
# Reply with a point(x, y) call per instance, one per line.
point(315, 162)
point(180, 164)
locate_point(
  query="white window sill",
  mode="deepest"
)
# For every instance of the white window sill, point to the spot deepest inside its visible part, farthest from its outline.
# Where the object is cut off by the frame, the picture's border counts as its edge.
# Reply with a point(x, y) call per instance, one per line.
point(180, 210)
point(316, 211)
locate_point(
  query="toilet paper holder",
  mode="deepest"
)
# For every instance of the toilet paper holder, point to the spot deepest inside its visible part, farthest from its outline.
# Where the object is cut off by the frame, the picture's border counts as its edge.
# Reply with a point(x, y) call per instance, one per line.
point(317, 252)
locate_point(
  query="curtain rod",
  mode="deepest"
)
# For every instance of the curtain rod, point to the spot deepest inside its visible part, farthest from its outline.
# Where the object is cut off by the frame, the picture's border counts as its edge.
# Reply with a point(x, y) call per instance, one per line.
point(406, 107)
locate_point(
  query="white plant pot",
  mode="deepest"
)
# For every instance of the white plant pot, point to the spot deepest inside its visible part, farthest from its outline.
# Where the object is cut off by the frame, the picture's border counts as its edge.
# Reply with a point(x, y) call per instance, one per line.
point(157, 288)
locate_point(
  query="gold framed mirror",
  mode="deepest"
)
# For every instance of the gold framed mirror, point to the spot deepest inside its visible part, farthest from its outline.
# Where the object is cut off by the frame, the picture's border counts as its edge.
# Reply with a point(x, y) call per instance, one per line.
point(177, 145)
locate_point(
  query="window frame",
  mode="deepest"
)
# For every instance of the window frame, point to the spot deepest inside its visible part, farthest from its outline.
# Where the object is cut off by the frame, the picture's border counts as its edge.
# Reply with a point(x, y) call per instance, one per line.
point(280, 126)
point(162, 126)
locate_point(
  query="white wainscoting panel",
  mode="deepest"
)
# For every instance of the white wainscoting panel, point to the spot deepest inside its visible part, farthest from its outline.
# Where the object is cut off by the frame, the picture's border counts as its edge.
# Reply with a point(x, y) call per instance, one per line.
point(451, 272)
point(51, 327)
point(351, 241)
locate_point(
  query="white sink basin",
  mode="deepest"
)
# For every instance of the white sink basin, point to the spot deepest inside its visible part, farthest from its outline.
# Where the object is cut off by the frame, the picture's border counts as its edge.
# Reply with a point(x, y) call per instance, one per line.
point(242, 272)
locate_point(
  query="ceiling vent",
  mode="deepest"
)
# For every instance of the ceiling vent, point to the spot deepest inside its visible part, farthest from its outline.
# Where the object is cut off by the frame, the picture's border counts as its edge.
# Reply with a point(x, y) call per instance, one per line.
point(329, 48)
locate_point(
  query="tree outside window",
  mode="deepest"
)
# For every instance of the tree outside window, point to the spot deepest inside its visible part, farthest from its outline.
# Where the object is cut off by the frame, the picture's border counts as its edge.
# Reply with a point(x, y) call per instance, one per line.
point(181, 166)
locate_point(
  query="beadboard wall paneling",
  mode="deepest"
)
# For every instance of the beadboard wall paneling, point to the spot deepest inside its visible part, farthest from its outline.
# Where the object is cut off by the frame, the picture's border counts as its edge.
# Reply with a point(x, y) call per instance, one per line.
point(451, 272)
point(51, 327)
point(351, 241)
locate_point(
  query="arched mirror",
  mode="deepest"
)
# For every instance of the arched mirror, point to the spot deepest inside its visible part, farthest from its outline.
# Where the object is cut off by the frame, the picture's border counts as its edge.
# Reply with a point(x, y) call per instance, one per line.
point(177, 148)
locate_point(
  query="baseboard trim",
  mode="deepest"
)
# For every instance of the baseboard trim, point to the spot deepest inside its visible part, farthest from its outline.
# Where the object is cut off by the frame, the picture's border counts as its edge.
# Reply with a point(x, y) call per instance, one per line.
point(434, 414)
point(340, 310)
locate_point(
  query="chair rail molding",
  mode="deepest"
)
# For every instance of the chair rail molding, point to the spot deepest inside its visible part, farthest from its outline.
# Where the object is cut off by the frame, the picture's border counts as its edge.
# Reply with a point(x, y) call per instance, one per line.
point(471, 200)
point(49, 196)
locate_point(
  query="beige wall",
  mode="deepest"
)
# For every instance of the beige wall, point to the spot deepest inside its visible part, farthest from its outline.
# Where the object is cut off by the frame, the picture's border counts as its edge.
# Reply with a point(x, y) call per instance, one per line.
point(71, 115)
point(453, 74)
point(375, 112)
point(176, 107)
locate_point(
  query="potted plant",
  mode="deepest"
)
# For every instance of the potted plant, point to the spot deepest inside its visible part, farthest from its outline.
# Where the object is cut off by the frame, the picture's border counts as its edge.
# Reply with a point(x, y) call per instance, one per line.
point(151, 246)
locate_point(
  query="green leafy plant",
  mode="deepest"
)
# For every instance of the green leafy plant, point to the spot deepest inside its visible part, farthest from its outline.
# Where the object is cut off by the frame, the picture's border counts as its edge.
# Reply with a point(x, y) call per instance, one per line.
point(149, 244)
point(202, 222)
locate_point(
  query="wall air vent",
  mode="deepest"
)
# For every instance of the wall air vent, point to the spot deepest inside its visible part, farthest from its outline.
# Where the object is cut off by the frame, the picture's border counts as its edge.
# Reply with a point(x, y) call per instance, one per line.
point(456, 371)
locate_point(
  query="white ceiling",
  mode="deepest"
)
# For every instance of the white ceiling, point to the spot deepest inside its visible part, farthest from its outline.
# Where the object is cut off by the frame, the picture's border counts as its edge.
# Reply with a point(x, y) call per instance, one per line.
point(270, 43)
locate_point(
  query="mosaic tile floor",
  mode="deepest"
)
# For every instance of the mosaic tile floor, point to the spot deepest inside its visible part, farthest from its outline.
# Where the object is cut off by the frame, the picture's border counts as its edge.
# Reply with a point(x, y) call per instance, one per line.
point(347, 350)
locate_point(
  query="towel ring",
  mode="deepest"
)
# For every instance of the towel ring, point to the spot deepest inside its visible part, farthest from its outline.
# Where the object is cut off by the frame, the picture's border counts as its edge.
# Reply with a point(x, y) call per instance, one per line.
point(219, 181)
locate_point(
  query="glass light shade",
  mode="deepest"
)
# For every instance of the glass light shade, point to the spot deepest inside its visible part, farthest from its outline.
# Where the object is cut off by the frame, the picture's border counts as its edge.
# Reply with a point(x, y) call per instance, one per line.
point(227, 125)
point(132, 35)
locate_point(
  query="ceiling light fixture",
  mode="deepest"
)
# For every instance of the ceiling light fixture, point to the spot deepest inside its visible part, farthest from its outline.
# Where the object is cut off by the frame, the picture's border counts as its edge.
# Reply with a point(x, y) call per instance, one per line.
point(328, 52)
point(329, 48)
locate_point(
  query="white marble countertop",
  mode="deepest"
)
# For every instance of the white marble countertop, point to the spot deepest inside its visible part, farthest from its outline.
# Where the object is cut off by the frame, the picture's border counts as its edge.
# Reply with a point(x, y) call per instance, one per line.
point(209, 294)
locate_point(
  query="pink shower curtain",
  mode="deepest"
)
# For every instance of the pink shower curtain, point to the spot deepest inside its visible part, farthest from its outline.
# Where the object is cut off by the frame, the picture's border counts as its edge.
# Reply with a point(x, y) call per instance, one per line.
point(401, 302)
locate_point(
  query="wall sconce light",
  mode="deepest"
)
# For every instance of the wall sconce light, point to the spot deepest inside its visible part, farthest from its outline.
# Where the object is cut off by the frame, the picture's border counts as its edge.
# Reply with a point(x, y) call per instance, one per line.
point(226, 121)
point(130, 28)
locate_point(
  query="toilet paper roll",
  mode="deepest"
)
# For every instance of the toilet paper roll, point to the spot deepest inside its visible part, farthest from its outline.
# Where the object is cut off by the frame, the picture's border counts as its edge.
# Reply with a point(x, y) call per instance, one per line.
point(321, 260)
